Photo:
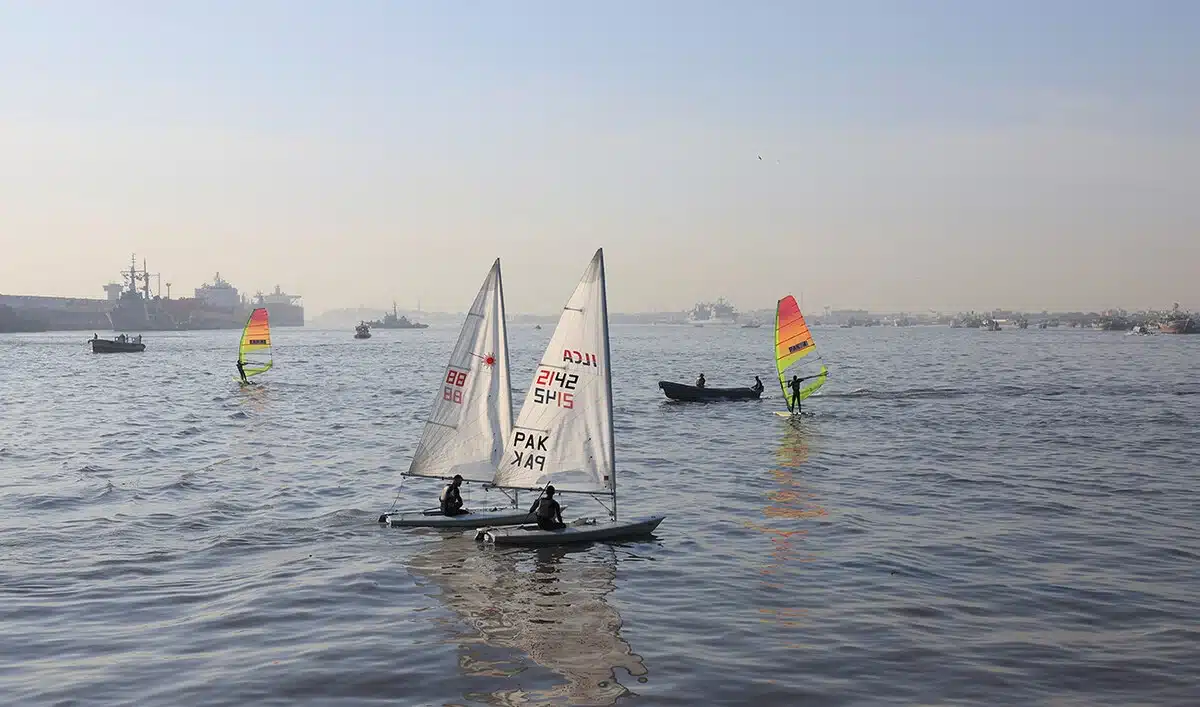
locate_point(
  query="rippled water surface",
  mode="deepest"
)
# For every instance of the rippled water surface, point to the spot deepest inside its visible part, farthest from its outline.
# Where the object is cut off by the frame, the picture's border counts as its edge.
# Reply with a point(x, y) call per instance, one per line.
point(965, 517)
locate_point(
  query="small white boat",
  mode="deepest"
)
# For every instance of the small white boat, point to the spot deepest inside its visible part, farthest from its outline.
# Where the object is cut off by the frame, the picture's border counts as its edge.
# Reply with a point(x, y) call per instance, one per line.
point(564, 434)
point(471, 418)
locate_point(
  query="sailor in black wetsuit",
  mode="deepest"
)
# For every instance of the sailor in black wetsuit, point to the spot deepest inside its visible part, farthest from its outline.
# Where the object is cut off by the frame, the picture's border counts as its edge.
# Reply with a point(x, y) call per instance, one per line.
point(451, 499)
point(794, 384)
point(547, 511)
point(758, 386)
point(794, 403)
point(242, 371)
point(700, 381)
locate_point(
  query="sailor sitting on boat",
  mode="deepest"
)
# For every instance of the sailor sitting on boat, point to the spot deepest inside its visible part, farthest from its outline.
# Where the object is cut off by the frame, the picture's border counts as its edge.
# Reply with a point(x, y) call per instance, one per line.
point(547, 511)
point(700, 381)
point(451, 500)
point(758, 385)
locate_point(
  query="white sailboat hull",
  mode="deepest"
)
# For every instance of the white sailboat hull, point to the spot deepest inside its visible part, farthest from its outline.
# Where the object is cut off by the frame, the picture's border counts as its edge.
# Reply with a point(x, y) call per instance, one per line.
point(474, 519)
point(535, 536)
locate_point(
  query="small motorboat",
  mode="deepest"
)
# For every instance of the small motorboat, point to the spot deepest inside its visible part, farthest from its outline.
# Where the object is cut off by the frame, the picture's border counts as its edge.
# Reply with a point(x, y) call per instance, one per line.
point(121, 344)
point(691, 393)
point(362, 331)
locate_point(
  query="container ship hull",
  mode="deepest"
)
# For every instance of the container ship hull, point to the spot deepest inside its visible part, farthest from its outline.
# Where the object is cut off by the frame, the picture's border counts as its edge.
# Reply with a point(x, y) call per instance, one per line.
point(285, 314)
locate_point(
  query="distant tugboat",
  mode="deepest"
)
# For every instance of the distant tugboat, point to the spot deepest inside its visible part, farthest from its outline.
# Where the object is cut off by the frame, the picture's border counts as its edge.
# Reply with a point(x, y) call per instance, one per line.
point(121, 344)
point(362, 331)
point(391, 321)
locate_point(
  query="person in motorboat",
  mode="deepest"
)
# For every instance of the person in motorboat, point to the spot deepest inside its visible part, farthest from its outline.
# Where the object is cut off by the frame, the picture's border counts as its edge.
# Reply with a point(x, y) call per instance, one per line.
point(794, 384)
point(451, 500)
point(547, 511)
point(758, 386)
point(242, 371)
point(700, 381)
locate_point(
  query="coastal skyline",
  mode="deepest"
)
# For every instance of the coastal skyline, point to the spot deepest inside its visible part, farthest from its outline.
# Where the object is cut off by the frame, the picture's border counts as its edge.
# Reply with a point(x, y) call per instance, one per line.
point(936, 156)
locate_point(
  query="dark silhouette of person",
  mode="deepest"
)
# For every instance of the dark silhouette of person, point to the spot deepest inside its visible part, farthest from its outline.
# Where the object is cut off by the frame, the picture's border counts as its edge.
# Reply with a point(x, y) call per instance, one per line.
point(451, 499)
point(700, 381)
point(794, 384)
point(547, 511)
point(242, 371)
point(758, 386)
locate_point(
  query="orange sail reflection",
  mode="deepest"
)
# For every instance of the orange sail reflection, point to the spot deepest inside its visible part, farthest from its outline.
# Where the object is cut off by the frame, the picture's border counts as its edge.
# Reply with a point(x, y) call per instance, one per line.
point(789, 501)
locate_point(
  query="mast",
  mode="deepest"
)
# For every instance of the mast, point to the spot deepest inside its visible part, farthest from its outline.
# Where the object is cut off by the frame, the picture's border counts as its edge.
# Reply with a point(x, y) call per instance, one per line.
point(775, 353)
point(612, 441)
point(503, 324)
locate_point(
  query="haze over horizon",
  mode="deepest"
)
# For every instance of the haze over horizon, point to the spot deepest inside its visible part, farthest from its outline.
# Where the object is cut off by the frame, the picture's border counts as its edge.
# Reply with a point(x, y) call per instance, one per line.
point(932, 155)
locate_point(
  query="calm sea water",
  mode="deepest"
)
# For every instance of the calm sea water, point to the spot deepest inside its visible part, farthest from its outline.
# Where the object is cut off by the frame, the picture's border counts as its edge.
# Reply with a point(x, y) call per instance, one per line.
point(966, 517)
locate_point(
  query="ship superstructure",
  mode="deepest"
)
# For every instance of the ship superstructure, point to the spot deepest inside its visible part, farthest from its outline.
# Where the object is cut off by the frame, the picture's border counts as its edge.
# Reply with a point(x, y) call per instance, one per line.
point(284, 309)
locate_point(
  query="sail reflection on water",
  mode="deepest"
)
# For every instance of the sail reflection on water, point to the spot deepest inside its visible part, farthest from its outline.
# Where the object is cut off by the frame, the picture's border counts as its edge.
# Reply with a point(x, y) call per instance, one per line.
point(548, 604)
point(788, 501)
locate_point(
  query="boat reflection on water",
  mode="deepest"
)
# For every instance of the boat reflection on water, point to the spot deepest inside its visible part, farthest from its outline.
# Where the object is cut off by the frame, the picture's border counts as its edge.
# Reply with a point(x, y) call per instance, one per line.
point(787, 501)
point(548, 604)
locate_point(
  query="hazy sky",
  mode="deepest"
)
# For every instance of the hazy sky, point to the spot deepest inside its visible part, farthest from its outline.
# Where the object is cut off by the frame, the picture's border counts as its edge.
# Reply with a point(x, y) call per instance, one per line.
point(914, 154)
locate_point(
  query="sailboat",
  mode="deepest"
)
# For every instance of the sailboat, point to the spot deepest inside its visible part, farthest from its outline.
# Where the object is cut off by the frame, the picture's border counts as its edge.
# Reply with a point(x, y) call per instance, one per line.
point(254, 352)
point(796, 353)
point(471, 416)
point(564, 433)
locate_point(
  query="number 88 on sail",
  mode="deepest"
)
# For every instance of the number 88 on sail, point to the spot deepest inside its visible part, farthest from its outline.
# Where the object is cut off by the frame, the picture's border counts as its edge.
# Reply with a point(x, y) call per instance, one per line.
point(455, 381)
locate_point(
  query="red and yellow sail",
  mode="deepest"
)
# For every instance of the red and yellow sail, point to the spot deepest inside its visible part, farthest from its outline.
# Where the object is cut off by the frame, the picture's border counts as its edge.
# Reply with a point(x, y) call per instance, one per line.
point(795, 351)
point(255, 352)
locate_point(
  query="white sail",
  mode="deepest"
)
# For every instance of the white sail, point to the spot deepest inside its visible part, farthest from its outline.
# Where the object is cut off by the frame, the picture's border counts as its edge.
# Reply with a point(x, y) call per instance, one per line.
point(564, 435)
point(471, 417)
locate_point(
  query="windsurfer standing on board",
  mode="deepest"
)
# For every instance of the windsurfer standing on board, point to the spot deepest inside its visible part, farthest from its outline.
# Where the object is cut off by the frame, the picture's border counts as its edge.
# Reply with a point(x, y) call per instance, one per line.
point(794, 384)
point(242, 371)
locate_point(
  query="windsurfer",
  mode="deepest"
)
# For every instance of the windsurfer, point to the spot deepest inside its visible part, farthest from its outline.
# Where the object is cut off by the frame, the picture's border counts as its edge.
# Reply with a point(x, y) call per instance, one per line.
point(700, 381)
point(242, 371)
point(758, 385)
point(794, 384)
point(547, 511)
point(451, 499)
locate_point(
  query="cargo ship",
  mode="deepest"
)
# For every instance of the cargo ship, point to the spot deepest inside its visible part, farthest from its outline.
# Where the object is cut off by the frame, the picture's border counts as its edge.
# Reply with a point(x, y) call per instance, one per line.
point(719, 312)
point(282, 308)
point(215, 305)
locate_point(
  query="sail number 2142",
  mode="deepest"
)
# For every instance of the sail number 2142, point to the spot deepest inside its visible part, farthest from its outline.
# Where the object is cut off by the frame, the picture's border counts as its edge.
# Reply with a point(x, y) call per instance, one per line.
point(554, 387)
point(455, 380)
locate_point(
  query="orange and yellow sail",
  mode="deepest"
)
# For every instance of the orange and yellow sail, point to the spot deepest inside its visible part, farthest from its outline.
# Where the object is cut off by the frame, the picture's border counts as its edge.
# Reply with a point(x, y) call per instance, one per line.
point(795, 351)
point(255, 351)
